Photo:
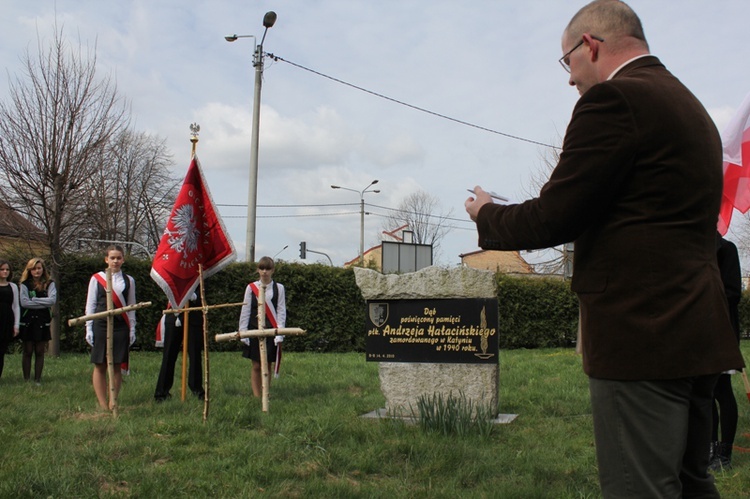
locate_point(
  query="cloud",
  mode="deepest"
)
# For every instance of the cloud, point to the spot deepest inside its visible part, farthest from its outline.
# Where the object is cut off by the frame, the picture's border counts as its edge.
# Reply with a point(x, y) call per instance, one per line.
point(306, 142)
point(488, 63)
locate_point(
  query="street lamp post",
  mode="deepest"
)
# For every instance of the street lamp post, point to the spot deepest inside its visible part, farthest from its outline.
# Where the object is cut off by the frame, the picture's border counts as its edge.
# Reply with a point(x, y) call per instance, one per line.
point(361, 216)
point(252, 195)
point(278, 252)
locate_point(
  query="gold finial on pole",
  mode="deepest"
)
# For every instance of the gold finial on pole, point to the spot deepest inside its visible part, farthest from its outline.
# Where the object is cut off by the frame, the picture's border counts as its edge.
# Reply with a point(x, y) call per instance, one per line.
point(194, 129)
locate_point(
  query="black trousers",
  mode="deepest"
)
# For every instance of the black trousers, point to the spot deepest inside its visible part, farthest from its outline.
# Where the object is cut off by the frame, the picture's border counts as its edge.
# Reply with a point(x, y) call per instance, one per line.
point(725, 410)
point(172, 348)
point(3, 350)
point(652, 437)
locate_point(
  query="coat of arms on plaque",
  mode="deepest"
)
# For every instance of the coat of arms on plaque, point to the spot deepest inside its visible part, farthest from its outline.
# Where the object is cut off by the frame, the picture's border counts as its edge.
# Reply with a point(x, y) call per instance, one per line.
point(378, 313)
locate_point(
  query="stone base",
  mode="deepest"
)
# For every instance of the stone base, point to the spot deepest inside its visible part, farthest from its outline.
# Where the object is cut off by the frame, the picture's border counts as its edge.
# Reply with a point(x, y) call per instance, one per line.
point(403, 383)
point(383, 414)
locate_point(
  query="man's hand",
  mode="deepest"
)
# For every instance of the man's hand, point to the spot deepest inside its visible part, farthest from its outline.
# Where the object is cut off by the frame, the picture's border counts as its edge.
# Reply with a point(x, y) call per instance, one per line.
point(473, 204)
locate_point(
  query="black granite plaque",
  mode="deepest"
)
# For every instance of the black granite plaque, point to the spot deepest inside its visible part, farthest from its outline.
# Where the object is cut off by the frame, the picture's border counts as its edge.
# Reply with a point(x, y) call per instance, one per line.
point(460, 330)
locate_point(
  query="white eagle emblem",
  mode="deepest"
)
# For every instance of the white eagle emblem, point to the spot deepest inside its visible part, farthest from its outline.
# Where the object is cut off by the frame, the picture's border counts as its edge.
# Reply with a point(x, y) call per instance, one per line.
point(184, 236)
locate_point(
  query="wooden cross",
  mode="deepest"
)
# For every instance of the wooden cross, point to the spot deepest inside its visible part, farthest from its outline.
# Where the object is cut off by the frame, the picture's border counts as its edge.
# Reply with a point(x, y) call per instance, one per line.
point(261, 333)
point(109, 314)
point(204, 308)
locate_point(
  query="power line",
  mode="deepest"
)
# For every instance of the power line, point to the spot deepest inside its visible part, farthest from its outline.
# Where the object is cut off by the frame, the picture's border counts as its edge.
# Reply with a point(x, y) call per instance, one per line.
point(297, 215)
point(402, 103)
point(472, 229)
point(288, 205)
point(429, 215)
point(395, 210)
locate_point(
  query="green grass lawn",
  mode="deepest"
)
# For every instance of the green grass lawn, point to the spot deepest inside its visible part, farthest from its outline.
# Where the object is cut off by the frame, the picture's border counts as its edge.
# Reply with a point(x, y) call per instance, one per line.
point(312, 442)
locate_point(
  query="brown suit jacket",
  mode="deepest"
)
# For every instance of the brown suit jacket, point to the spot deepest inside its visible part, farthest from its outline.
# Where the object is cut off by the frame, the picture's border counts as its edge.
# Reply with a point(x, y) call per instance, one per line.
point(637, 188)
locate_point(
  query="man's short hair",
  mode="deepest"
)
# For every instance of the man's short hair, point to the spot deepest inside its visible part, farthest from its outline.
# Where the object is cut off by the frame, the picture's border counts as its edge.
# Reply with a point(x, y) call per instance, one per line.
point(609, 19)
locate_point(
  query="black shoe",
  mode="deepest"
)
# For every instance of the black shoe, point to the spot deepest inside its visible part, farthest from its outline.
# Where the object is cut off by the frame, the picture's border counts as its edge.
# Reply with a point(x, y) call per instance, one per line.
point(722, 459)
point(713, 449)
point(162, 398)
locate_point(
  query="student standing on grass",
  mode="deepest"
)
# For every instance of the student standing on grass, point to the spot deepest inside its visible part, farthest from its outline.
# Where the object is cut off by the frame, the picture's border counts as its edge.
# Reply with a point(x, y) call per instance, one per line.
point(173, 338)
point(275, 317)
point(38, 294)
point(637, 187)
point(123, 293)
point(10, 310)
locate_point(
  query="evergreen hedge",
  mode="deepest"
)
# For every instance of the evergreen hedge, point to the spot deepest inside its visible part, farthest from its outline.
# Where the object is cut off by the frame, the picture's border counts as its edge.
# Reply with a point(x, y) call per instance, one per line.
point(533, 312)
point(323, 300)
point(536, 313)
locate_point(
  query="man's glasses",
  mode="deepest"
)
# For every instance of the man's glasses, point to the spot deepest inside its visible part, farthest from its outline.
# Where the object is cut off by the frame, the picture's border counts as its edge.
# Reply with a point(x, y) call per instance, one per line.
point(565, 59)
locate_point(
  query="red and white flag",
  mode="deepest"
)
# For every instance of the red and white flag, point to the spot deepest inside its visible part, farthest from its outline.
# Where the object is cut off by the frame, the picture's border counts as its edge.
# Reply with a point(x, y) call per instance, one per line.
point(736, 145)
point(194, 235)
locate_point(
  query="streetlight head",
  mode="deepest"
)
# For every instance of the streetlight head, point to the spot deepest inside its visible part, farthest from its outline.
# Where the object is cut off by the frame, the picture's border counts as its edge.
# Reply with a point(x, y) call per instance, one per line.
point(374, 182)
point(376, 191)
point(335, 187)
point(231, 38)
point(269, 19)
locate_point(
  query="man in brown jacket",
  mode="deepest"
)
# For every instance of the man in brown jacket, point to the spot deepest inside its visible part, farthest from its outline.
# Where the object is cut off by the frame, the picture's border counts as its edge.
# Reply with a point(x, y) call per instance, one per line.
point(638, 188)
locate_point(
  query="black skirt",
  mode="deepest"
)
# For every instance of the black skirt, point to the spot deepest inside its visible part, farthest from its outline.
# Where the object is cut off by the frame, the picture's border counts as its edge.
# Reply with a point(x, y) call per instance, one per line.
point(252, 352)
point(35, 325)
point(121, 342)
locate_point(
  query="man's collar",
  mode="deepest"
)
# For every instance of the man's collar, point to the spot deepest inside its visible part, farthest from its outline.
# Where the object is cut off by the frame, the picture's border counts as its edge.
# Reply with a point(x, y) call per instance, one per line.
point(617, 70)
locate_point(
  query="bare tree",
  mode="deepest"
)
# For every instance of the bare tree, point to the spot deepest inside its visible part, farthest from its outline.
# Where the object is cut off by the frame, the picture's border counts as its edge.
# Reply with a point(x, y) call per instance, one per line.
point(559, 258)
point(547, 162)
point(53, 134)
point(133, 193)
point(420, 211)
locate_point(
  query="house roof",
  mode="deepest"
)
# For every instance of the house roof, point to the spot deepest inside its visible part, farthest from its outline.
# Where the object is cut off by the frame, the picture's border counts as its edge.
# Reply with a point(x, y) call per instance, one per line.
point(13, 224)
point(365, 254)
point(505, 261)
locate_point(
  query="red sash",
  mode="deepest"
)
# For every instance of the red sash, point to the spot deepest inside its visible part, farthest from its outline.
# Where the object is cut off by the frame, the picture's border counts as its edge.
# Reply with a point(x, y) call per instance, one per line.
point(271, 316)
point(270, 312)
point(117, 298)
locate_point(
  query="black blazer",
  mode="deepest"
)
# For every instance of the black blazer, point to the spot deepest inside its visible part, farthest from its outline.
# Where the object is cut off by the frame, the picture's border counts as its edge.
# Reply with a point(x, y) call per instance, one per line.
point(637, 188)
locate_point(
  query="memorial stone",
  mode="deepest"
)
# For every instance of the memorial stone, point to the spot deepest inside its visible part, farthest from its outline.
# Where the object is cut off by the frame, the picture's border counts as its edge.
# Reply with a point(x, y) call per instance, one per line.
point(428, 306)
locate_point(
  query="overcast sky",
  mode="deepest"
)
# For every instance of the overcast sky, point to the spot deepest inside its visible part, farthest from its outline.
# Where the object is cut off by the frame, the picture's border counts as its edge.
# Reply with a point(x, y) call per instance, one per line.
point(489, 63)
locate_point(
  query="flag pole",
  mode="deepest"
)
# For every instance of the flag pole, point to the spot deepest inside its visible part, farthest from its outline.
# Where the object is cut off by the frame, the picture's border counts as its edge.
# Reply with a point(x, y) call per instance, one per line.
point(193, 208)
point(185, 329)
point(194, 129)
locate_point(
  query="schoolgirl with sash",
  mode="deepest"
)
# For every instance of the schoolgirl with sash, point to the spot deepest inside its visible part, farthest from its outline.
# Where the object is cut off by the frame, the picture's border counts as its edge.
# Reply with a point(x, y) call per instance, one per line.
point(123, 293)
point(275, 317)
